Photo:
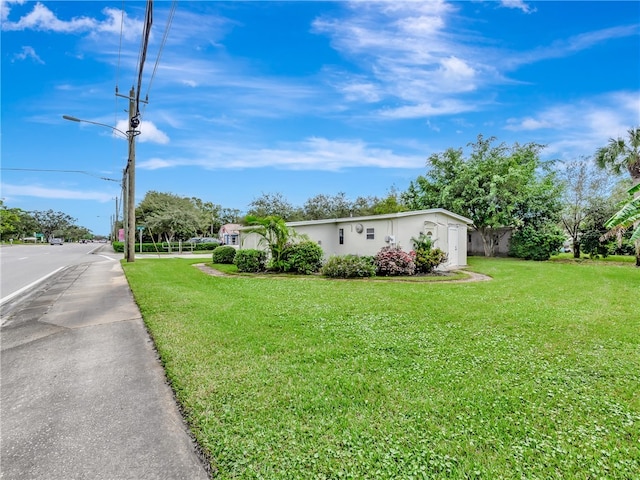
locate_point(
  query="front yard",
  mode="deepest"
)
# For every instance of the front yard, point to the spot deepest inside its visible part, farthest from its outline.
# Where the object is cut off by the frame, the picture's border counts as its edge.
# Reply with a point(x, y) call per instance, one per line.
point(533, 374)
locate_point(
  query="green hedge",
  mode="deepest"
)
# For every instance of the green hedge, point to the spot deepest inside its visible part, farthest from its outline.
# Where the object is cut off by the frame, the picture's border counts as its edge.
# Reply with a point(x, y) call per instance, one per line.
point(161, 247)
point(349, 266)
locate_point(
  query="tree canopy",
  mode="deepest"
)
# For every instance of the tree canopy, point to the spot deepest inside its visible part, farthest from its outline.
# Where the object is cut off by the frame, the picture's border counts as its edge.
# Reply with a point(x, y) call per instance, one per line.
point(585, 194)
point(622, 154)
point(169, 216)
point(494, 186)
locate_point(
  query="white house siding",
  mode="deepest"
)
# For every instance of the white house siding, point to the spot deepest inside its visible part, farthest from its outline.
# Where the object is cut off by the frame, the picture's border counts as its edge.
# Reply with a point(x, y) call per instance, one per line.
point(448, 230)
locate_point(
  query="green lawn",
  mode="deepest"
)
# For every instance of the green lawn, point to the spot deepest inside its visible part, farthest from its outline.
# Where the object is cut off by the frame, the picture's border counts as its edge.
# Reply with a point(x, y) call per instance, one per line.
point(535, 374)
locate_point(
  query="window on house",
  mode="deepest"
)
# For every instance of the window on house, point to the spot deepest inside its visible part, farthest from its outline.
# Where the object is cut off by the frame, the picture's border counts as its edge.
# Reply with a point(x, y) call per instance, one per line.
point(341, 236)
point(370, 234)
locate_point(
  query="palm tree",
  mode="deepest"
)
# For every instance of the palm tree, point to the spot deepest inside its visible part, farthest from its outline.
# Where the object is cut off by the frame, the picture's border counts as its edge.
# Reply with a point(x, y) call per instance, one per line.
point(621, 154)
point(274, 233)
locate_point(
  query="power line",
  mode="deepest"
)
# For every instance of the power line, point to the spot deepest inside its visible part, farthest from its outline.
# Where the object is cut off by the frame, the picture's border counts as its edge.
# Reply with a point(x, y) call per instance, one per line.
point(84, 172)
point(146, 32)
point(162, 43)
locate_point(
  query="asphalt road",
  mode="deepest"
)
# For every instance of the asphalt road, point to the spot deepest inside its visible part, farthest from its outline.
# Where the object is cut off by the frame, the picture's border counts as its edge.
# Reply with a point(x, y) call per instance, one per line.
point(22, 266)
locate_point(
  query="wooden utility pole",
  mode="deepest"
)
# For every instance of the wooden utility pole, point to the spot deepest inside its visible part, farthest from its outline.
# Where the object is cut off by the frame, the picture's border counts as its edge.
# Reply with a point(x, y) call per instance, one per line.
point(129, 205)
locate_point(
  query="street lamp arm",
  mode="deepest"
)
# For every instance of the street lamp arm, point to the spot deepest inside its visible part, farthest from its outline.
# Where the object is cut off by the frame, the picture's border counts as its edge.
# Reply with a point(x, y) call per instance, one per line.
point(75, 119)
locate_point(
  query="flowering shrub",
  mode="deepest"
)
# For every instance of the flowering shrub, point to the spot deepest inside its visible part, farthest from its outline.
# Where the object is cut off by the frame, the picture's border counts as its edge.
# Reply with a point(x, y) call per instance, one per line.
point(393, 261)
point(349, 266)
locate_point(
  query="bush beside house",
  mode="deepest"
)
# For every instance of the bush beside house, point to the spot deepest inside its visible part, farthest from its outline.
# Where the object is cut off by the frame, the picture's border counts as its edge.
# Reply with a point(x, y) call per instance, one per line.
point(250, 260)
point(349, 266)
point(223, 254)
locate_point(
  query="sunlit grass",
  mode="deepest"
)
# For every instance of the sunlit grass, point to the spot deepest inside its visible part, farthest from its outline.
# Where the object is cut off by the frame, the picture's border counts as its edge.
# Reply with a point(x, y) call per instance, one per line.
point(586, 258)
point(534, 374)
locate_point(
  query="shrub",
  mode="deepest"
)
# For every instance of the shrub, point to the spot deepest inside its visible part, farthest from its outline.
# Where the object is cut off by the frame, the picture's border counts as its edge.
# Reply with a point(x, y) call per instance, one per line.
point(349, 266)
point(590, 244)
point(223, 254)
point(304, 257)
point(427, 260)
point(250, 260)
point(425, 257)
point(533, 243)
point(393, 261)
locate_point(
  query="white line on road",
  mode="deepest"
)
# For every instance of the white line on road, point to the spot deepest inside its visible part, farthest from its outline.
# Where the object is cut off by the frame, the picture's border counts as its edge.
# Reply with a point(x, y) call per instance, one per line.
point(11, 296)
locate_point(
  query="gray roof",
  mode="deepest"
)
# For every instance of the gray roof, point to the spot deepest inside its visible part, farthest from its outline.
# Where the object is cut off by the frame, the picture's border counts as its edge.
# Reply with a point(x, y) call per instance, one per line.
point(385, 216)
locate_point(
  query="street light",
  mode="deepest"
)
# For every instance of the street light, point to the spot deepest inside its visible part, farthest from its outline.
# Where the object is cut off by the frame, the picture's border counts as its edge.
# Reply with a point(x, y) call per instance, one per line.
point(129, 173)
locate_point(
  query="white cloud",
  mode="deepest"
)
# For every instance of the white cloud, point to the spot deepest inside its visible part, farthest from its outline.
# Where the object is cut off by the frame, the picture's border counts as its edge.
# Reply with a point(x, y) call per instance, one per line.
point(445, 107)
point(418, 54)
point(5, 8)
point(410, 54)
point(580, 127)
point(28, 52)
point(148, 132)
point(41, 18)
point(566, 47)
point(314, 153)
point(39, 191)
point(519, 4)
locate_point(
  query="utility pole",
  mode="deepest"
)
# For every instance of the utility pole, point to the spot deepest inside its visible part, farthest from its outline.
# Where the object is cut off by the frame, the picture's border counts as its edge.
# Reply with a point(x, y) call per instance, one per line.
point(129, 207)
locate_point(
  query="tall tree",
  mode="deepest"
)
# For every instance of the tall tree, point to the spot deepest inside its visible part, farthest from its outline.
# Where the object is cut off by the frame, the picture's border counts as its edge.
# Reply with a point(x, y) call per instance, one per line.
point(585, 188)
point(9, 222)
point(272, 204)
point(168, 215)
point(230, 215)
point(495, 186)
point(327, 206)
point(392, 203)
point(52, 223)
point(620, 155)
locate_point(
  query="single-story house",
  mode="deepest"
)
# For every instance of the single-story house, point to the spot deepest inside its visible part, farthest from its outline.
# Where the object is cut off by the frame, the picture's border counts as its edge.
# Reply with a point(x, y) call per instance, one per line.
point(367, 235)
point(229, 234)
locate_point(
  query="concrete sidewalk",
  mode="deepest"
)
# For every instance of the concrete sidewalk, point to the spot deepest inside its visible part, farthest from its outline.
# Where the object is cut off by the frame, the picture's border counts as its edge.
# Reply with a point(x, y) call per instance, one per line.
point(83, 395)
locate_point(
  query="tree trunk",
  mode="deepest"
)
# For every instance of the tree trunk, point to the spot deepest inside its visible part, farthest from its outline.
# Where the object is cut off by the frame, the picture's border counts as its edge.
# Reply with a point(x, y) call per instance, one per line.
point(487, 241)
point(576, 249)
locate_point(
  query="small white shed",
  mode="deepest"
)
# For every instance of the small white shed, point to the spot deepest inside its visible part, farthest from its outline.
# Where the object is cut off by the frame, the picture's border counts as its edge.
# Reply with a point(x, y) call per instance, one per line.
point(367, 235)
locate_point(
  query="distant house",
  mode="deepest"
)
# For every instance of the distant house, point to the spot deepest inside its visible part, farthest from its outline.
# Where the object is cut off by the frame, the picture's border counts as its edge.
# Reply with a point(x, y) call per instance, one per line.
point(367, 235)
point(229, 234)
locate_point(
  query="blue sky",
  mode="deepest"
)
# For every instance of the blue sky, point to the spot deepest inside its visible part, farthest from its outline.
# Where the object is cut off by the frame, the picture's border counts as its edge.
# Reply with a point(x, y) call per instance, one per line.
point(299, 98)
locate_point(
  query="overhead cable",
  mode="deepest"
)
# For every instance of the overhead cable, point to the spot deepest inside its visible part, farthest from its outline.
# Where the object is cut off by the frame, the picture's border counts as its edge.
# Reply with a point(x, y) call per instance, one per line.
point(162, 44)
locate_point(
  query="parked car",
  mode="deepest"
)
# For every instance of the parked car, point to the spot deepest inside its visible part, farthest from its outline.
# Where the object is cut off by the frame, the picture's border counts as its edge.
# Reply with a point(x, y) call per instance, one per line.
point(204, 240)
point(210, 240)
point(56, 241)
